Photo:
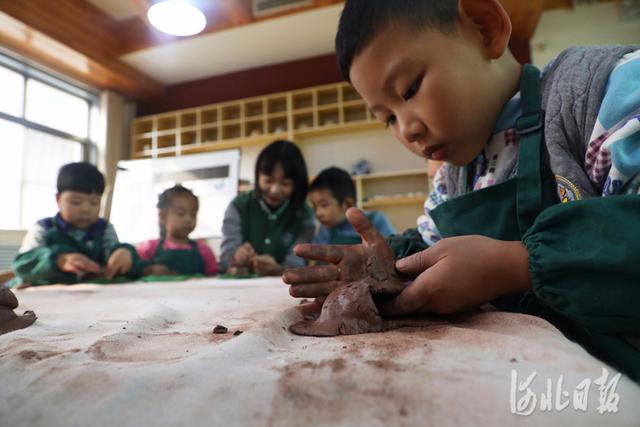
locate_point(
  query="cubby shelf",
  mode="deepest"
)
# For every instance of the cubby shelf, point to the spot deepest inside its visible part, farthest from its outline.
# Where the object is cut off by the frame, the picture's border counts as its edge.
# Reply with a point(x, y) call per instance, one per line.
point(314, 111)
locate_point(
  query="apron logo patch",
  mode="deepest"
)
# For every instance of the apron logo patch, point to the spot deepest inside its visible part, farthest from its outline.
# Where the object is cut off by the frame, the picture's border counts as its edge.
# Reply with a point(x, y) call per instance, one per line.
point(567, 191)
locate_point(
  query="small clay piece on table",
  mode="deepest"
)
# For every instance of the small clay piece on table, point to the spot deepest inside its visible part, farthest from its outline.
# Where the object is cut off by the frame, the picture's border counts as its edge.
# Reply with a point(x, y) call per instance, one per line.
point(236, 333)
point(9, 320)
point(219, 329)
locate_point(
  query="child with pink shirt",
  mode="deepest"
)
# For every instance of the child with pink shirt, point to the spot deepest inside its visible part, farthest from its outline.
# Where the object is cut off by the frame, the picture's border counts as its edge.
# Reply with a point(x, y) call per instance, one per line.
point(174, 252)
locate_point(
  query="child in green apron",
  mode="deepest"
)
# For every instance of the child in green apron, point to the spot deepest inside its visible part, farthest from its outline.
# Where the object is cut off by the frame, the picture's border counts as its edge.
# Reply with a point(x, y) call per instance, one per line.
point(174, 253)
point(261, 226)
point(76, 244)
point(331, 193)
point(536, 207)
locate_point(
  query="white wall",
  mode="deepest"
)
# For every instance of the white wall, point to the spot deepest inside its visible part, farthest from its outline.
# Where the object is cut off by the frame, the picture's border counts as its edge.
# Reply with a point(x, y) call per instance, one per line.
point(585, 24)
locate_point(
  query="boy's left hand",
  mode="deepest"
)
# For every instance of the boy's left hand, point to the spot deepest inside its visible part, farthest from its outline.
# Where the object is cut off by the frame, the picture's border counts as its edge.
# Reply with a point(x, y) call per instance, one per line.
point(459, 273)
point(119, 262)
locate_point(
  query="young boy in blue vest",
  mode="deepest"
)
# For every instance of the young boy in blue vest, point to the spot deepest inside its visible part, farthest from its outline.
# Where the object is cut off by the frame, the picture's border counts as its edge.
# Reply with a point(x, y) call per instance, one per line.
point(76, 244)
point(536, 207)
point(331, 193)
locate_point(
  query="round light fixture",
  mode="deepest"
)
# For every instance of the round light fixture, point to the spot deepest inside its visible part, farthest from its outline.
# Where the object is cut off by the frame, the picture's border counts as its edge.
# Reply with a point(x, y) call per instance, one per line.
point(177, 17)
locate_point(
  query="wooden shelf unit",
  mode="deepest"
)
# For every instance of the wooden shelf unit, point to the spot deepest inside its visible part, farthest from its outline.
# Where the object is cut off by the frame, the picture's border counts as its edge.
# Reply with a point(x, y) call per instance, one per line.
point(313, 111)
point(398, 194)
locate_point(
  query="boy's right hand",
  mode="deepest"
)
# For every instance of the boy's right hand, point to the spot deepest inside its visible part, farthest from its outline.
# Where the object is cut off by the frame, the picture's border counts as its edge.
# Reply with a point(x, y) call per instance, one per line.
point(77, 264)
point(348, 263)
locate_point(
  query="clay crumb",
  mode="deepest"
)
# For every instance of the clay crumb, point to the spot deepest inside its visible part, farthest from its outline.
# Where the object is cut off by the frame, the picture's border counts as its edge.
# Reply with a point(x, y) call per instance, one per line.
point(304, 301)
point(513, 360)
point(236, 333)
point(219, 329)
point(139, 336)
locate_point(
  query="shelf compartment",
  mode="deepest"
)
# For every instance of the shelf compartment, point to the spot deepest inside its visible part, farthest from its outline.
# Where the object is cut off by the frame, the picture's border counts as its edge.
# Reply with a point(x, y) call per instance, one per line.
point(355, 113)
point(277, 125)
point(329, 117)
point(209, 116)
point(188, 119)
point(231, 131)
point(167, 141)
point(166, 123)
point(349, 94)
point(231, 112)
point(254, 128)
point(277, 105)
point(254, 108)
point(327, 96)
point(396, 200)
point(302, 121)
point(143, 126)
point(143, 144)
point(209, 134)
point(188, 138)
point(302, 100)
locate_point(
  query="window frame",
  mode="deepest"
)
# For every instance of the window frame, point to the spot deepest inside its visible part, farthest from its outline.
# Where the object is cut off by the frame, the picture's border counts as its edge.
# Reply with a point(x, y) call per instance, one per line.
point(89, 144)
point(28, 70)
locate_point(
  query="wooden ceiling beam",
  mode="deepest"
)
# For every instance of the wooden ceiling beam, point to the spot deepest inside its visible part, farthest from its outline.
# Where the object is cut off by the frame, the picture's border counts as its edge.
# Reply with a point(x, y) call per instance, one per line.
point(76, 38)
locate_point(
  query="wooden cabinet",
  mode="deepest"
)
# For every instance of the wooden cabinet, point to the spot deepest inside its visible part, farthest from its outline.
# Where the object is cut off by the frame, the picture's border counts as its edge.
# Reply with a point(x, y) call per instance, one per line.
point(312, 111)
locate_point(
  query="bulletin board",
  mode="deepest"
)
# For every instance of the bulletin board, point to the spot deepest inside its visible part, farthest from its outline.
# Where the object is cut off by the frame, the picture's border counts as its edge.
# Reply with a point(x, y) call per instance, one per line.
point(213, 177)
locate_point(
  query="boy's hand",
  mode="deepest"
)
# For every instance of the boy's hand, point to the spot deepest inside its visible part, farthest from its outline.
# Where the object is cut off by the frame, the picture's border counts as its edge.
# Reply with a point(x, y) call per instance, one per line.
point(157, 270)
point(459, 273)
point(77, 264)
point(349, 263)
point(244, 255)
point(265, 265)
point(119, 262)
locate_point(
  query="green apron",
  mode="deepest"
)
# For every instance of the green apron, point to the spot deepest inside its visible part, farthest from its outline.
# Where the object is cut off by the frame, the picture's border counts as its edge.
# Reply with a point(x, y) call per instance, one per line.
point(507, 210)
point(182, 261)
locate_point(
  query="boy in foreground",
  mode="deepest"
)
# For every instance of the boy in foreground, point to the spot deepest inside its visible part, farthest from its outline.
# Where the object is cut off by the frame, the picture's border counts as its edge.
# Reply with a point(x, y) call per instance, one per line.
point(536, 207)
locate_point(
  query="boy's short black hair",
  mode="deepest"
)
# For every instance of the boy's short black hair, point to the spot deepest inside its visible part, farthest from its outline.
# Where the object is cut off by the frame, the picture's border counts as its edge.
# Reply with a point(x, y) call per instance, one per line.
point(362, 20)
point(287, 154)
point(337, 181)
point(82, 177)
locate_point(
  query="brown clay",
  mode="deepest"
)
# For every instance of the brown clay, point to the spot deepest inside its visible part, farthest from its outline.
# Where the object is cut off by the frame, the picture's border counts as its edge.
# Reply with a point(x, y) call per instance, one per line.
point(9, 320)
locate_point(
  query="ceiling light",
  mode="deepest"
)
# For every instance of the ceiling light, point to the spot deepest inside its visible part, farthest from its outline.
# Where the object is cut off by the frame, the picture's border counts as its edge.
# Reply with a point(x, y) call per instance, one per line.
point(177, 17)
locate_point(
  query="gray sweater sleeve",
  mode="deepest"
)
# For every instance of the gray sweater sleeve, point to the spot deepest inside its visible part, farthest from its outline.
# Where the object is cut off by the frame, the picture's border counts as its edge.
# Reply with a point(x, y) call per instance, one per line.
point(231, 236)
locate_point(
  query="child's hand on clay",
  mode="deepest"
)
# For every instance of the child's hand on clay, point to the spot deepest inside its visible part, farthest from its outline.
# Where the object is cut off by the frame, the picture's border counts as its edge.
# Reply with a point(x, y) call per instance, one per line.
point(265, 265)
point(157, 270)
point(348, 263)
point(459, 273)
point(77, 264)
point(119, 262)
point(243, 255)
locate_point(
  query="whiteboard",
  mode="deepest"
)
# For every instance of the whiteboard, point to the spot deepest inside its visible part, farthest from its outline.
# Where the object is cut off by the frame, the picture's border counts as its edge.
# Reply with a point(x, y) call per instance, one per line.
point(213, 177)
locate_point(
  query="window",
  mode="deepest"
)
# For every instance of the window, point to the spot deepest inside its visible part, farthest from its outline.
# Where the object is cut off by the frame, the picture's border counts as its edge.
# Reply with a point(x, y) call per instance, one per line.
point(44, 124)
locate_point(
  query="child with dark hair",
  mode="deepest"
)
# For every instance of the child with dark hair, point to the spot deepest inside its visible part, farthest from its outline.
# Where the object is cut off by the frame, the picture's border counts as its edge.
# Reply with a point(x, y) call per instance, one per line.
point(174, 252)
point(536, 207)
point(331, 193)
point(76, 244)
point(261, 226)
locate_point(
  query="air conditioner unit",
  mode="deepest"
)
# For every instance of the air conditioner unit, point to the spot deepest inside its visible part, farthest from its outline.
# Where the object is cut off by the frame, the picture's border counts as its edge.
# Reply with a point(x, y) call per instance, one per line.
point(268, 7)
